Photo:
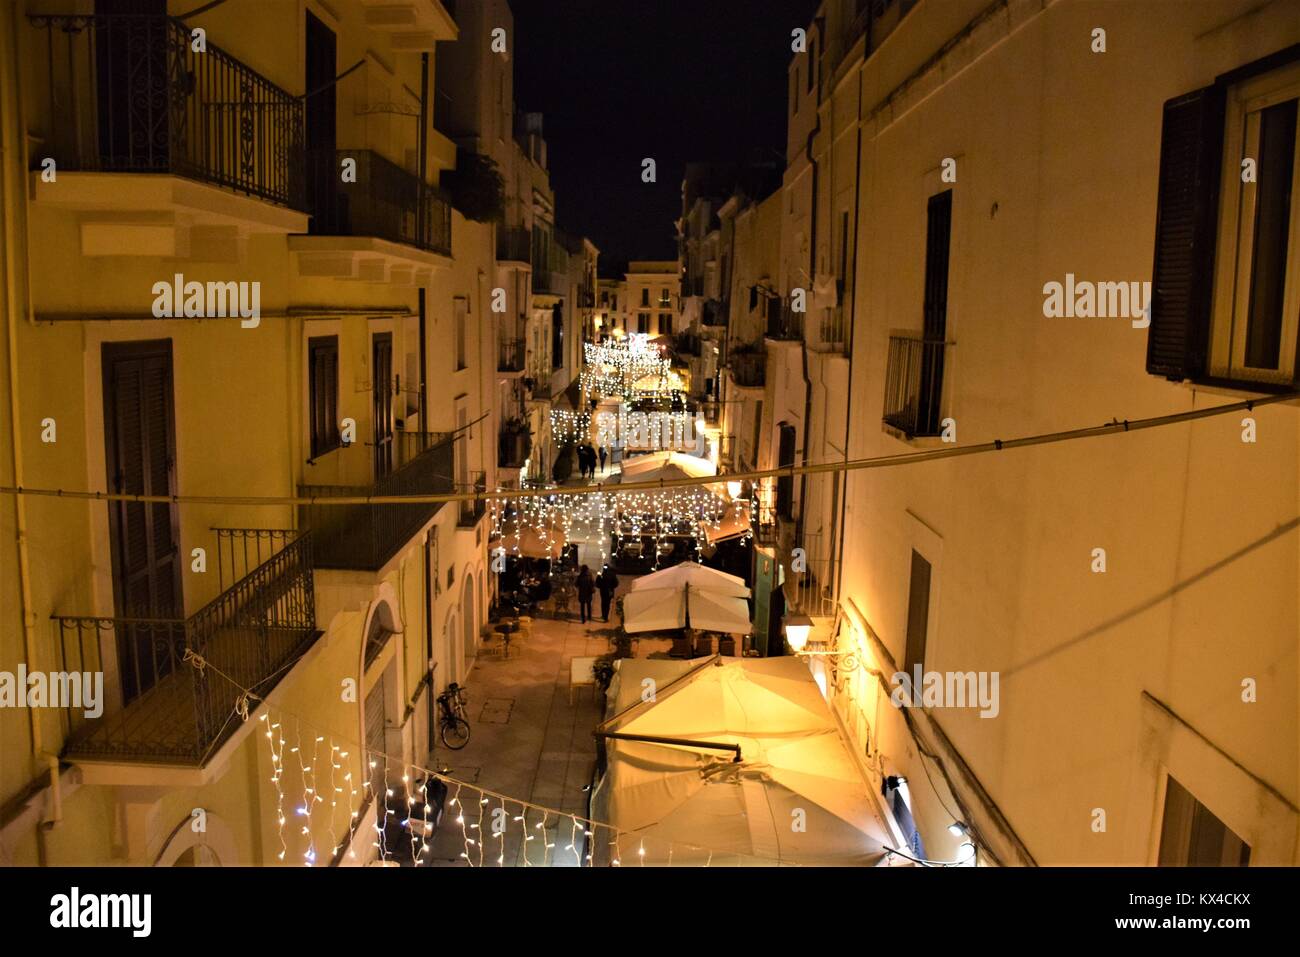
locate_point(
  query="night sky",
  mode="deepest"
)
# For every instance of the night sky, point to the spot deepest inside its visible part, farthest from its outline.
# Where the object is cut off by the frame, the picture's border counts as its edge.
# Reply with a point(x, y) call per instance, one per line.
point(676, 80)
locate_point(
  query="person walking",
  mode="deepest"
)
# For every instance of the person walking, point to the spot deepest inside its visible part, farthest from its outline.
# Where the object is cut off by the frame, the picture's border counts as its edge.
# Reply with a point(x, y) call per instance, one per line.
point(601, 453)
point(607, 583)
point(586, 588)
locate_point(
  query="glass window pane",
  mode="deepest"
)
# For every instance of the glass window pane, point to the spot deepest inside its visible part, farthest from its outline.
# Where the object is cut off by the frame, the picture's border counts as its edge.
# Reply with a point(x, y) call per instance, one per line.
point(1276, 169)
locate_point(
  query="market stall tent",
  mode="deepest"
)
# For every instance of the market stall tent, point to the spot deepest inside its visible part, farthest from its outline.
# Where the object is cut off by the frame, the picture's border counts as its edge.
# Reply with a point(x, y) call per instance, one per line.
point(794, 796)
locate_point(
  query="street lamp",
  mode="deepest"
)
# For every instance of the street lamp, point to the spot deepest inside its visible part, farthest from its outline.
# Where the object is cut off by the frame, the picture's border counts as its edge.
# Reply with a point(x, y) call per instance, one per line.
point(797, 628)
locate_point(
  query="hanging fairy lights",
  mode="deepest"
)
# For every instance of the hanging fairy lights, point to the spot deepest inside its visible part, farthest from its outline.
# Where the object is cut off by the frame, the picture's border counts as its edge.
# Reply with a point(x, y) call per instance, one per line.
point(569, 426)
point(536, 822)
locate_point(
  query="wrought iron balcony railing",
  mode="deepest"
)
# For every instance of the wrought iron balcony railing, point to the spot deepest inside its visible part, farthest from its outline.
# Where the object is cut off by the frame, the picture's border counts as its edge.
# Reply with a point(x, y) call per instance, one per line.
point(914, 384)
point(514, 445)
point(472, 511)
point(782, 321)
point(549, 283)
point(128, 93)
point(366, 536)
point(183, 682)
point(511, 354)
point(748, 369)
point(514, 244)
point(384, 201)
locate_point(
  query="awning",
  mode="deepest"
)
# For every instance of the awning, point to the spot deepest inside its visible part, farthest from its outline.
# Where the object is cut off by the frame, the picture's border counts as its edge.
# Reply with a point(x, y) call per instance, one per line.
point(684, 804)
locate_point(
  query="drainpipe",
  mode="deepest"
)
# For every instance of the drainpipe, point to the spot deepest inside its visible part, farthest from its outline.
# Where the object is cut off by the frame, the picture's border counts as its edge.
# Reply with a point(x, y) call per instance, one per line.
point(812, 279)
point(10, 130)
point(843, 477)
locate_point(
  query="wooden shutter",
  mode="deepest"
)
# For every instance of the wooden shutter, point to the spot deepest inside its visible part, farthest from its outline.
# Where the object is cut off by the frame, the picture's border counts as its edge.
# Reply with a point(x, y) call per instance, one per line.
point(918, 613)
point(141, 456)
point(1187, 206)
point(323, 371)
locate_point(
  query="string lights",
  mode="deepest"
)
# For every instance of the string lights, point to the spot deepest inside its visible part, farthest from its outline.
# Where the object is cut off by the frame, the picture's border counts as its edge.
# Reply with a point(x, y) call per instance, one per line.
point(583, 832)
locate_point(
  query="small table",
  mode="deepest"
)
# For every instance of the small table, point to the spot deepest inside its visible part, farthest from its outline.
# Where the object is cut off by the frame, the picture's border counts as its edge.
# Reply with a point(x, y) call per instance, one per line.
point(582, 672)
point(505, 629)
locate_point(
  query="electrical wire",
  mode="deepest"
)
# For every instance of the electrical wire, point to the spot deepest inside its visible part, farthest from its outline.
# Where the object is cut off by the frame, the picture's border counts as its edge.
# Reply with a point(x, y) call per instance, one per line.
point(881, 461)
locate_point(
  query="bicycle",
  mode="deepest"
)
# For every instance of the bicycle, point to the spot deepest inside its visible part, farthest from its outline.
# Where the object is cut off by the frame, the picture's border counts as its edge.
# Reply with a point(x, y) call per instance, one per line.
point(453, 726)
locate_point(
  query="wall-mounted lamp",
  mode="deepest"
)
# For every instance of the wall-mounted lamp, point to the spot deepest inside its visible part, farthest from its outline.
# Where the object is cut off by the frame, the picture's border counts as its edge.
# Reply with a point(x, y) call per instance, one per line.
point(797, 629)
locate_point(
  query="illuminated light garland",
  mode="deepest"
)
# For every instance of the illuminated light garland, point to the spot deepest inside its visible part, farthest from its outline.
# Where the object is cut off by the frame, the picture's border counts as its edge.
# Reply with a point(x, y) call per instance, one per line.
point(569, 426)
point(589, 829)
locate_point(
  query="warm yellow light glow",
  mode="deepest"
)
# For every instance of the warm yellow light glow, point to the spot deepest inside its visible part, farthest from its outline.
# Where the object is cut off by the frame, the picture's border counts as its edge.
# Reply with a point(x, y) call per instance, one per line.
point(797, 629)
point(734, 489)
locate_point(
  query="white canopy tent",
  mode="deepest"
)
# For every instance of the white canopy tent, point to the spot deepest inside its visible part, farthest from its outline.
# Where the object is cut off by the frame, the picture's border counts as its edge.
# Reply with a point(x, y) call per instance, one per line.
point(687, 596)
point(794, 797)
point(666, 466)
point(692, 573)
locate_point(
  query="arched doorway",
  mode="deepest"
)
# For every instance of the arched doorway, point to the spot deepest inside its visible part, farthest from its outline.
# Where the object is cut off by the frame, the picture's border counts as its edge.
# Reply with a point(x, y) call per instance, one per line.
point(469, 616)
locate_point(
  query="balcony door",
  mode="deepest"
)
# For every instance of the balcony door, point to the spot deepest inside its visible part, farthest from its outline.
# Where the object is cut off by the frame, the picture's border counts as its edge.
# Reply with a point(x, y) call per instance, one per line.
point(938, 237)
point(381, 377)
point(320, 119)
point(132, 41)
point(140, 453)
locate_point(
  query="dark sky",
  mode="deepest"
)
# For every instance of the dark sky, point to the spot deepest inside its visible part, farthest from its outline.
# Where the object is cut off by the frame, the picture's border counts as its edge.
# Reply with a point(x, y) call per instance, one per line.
point(676, 80)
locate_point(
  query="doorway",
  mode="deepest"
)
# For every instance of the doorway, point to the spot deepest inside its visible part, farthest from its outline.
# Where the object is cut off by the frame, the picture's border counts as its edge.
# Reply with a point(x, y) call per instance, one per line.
point(381, 345)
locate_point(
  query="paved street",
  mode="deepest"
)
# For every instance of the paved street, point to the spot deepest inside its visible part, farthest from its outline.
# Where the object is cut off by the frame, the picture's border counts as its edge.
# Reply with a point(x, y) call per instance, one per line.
point(529, 742)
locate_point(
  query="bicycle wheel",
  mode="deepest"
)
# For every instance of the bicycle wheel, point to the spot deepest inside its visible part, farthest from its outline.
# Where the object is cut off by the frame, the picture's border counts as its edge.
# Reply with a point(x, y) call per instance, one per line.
point(455, 732)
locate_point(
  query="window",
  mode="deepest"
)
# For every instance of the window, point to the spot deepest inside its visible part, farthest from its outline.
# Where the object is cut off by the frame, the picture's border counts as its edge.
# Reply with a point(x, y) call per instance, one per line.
point(645, 296)
point(643, 322)
point(1191, 835)
point(665, 323)
point(918, 614)
point(914, 366)
point(461, 307)
point(323, 387)
point(1225, 301)
point(557, 336)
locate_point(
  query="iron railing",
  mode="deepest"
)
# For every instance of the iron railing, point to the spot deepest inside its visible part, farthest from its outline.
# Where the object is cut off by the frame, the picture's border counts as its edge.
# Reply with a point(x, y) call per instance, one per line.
point(748, 369)
point(472, 511)
point(381, 200)
point(514, 445)
point(715, 312)
point(511, 354)
point(240, 550)
point(914, 384)
point(187, 684)
point(128, 93)
point(549, 283)
point(514, 244)
point(832, 328)
point(366, 536)
point(782, 321)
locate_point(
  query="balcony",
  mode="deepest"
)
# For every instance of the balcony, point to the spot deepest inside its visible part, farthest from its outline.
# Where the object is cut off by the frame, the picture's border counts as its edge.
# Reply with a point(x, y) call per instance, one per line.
point(782, 322)
point(472, 511)
point(137, 123)
point(514, 245)
point(914, 385)
point(546, 283)
point(366, 536)
point(514, 444)
point(511, 354)
point(384, 225)
point(183, 680)
point(715, 313)
point(748, 369)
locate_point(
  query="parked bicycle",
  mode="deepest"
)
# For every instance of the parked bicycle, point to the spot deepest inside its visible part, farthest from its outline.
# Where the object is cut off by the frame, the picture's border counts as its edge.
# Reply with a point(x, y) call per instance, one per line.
point(453, 725)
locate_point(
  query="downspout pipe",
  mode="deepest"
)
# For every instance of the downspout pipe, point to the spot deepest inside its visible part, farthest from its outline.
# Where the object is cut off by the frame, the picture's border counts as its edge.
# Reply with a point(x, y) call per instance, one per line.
point(13, 130)
point(843, 478)
point(812, 280)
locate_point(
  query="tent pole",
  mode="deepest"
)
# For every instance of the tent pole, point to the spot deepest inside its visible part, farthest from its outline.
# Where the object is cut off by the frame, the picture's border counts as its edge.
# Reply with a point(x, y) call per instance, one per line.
point(682, 742)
